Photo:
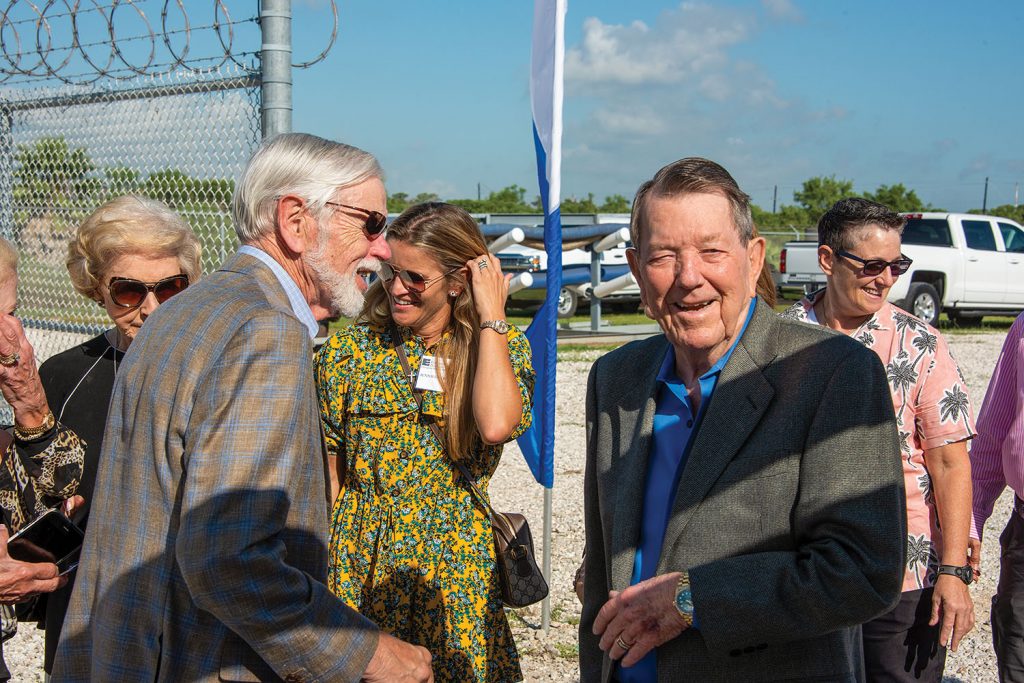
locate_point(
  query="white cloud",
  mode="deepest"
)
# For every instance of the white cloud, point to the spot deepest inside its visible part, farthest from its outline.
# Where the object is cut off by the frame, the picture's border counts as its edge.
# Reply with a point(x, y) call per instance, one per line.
point(782, 9)
point(685, 42)
point(630, 121)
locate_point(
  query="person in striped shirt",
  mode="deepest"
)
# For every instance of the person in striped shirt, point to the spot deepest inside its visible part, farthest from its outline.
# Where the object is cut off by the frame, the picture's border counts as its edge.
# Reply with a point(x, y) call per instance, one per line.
point(997, 460)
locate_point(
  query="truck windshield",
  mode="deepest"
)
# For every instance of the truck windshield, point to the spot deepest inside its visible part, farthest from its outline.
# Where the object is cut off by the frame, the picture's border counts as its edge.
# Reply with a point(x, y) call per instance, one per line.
point(933, 232)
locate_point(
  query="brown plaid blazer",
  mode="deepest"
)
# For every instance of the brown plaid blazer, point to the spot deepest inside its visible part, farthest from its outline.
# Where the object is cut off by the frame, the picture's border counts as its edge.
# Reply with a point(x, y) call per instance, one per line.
point(205, 557)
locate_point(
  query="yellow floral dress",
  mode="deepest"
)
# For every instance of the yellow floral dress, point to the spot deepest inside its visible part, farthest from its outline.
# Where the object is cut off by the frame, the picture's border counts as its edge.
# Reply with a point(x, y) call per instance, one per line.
point(410, 549)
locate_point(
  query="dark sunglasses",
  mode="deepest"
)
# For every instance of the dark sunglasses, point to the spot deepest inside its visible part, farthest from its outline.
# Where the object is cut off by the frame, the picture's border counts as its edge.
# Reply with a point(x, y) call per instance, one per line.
point(875, 266)
point(128, 293)
point(375, 220)
point(412, 280)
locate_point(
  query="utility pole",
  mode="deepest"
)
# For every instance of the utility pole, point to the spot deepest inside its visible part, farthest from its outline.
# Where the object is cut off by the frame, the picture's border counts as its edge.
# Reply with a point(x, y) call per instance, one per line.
point(1016, 194)
point(478, 191)
point(775, 197)
point(984, 198)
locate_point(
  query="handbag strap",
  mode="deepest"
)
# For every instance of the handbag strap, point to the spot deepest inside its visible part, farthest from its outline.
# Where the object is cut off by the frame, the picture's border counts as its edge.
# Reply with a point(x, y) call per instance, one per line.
point(396, 341)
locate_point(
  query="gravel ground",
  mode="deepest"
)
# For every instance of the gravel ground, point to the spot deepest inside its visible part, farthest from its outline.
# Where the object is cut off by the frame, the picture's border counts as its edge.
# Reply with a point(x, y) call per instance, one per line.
point(552, 656)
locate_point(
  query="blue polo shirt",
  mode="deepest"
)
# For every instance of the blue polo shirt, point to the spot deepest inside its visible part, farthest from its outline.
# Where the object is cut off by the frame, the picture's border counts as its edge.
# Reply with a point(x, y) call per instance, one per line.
point(674, 427)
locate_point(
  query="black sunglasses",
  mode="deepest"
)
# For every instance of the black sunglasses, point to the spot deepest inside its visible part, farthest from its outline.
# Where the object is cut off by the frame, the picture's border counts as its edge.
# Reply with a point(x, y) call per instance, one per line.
point(375, 220)
point(875, 266)
point(412, 280)
point(128, 293)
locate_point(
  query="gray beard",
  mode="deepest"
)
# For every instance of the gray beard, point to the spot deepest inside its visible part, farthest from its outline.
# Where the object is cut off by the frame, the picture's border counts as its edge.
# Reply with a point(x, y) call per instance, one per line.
point(342, 289)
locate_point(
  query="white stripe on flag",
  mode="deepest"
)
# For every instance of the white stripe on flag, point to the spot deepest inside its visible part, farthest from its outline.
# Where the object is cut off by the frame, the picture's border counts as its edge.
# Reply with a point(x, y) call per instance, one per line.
point(546, 88)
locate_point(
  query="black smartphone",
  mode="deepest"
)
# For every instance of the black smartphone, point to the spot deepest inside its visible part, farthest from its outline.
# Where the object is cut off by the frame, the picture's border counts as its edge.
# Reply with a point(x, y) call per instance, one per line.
point(51, 537)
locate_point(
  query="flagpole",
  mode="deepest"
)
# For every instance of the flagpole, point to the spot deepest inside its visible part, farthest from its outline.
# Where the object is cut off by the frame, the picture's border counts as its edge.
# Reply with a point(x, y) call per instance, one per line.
point(545, 608)
point(546, 71)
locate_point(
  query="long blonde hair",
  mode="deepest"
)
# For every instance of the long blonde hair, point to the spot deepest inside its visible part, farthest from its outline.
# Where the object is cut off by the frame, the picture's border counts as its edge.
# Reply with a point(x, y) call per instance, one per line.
point(451, 236)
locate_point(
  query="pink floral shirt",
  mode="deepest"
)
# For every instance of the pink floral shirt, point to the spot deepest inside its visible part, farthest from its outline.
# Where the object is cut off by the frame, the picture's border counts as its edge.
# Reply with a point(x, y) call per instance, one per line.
point(932, 409)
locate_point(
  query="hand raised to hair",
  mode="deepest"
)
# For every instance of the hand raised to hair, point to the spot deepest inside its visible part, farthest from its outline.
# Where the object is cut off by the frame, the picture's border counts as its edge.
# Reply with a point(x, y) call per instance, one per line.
point(488, 286)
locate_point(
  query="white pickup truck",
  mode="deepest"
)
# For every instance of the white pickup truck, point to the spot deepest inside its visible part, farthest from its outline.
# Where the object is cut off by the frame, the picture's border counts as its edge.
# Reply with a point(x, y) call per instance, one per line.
point(967, 265)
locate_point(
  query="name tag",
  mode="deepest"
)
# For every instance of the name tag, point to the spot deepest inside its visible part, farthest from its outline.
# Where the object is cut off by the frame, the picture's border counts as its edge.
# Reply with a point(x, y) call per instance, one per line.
point(431, 370)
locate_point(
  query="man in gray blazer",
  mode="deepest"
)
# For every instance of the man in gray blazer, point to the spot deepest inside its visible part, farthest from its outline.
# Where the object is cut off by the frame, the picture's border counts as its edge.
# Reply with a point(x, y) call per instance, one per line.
point(206, 554)
point(743, 493)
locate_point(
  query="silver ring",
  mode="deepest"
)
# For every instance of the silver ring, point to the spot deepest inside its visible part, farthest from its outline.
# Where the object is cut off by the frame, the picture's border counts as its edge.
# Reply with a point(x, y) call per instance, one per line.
point(621, 643)
point(482, 263)
point(10, 361)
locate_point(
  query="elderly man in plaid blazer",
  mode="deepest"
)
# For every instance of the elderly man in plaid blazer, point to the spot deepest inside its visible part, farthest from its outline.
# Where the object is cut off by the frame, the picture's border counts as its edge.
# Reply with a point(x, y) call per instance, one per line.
point(206, 553)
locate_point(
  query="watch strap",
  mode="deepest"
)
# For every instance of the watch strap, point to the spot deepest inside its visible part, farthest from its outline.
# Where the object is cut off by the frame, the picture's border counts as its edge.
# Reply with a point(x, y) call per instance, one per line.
point(499, 326)
point(964, 573)
point(684, 599)
point(35, 433)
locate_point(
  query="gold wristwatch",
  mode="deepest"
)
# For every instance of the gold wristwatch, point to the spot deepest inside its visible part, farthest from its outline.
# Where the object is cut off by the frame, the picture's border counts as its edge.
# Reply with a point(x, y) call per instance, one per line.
point(33, 433)
point(684, 599)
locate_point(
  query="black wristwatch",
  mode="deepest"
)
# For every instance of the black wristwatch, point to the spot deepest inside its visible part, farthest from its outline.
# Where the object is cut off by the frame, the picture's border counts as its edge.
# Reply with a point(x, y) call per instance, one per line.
point(964, 573)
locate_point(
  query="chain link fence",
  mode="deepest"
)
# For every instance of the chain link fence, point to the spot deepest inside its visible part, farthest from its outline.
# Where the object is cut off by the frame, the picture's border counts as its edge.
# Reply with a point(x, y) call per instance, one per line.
point(122, 107)
point(178, 138)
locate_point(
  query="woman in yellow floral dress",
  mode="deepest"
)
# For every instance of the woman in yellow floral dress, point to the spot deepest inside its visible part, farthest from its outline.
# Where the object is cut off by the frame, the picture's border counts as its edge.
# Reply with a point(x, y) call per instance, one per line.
point(410, 547)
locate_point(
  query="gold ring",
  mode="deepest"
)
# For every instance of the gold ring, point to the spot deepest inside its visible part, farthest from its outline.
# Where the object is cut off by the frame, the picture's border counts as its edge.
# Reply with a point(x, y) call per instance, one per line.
point(621, 643)
point(10, 361)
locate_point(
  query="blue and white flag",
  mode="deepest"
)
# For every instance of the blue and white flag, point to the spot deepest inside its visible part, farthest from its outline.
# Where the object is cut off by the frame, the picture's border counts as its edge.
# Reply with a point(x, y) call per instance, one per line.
point(538, 444)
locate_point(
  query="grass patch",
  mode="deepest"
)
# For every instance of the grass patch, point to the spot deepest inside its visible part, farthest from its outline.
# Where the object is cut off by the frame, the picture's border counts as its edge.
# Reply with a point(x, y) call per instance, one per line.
point(568, 650)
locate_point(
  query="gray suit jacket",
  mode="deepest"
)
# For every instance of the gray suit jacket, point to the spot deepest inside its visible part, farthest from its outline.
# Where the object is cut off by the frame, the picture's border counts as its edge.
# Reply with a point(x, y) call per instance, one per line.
point(206, 553)
point(789, 516)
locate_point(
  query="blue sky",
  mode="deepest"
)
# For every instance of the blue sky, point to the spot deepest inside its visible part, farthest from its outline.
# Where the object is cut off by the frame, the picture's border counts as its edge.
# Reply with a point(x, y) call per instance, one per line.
point(924, 93)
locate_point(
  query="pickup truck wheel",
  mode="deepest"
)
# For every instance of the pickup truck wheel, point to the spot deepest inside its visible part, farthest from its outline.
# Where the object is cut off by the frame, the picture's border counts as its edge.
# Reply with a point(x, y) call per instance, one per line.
point(568, 300)
point(923, 301)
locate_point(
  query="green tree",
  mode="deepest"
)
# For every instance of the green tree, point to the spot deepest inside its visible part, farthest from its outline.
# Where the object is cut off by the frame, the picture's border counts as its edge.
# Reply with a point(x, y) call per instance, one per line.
point(1014, 213)
point(173, 187)
point(573, 205)
point(510, 199)
point(615, 203)
point(897, 197)
point(398, 202)
point(50, 175)
point(787, 216)
point(424, 197)
point(121, 180)
point(820, 193)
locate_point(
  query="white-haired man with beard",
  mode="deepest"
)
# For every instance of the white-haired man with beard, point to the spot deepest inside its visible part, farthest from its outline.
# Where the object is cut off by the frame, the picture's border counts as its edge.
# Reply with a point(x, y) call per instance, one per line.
point(206, 557)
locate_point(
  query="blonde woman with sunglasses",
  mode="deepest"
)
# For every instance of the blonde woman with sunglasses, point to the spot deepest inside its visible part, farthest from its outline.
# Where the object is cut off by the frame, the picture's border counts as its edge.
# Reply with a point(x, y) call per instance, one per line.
point(129, 256)
point(410, 548)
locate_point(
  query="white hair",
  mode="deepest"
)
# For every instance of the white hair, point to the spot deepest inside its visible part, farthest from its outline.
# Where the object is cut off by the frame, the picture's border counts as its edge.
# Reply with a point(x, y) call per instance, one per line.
point(295, 163)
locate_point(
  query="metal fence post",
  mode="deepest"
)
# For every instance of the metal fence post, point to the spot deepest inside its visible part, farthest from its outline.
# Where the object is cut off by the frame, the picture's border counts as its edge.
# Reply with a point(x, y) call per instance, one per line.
point(6, 173)
point(276, 60)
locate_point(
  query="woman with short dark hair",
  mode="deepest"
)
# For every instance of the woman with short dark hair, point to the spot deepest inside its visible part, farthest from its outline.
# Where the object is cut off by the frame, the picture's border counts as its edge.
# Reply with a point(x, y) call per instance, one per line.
point(859, 252)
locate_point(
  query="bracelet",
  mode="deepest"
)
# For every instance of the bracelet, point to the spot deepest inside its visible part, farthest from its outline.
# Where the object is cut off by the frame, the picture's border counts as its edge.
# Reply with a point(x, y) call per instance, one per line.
point(29, 434)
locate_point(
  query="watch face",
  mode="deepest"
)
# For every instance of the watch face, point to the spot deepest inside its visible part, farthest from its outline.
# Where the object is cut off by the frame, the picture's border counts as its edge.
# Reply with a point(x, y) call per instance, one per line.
point(967, 574)
point(499, 326)
point(684, 601)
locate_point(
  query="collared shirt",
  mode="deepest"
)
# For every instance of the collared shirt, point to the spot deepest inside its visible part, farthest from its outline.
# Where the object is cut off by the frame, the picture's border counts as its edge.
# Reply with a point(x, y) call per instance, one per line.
point(298, 302)
point(675, 423)
point(929, 396)
point(997, 452)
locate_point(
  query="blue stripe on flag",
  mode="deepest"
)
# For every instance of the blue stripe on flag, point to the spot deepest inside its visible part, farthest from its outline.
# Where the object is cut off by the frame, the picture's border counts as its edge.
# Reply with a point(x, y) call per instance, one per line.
point(538, 443)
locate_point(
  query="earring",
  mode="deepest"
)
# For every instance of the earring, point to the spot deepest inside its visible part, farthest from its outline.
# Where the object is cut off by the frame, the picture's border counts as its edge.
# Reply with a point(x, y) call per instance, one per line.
point(453, 293)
